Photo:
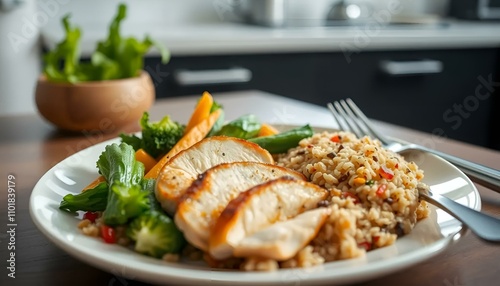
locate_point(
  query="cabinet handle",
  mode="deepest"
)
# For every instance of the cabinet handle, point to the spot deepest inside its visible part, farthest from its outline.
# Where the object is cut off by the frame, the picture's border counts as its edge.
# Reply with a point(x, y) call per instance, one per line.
point(420, 67)
point(218, 76)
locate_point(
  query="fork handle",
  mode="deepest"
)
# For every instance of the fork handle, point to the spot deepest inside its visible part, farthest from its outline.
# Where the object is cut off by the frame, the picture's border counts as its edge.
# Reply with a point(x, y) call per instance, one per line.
point(478, 173)
point(484, 226)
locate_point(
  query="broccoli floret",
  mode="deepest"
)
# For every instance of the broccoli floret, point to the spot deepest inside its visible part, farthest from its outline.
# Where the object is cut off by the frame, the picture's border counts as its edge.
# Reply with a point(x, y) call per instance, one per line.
point(155, 234)
point(126, 202)
point(157, 137)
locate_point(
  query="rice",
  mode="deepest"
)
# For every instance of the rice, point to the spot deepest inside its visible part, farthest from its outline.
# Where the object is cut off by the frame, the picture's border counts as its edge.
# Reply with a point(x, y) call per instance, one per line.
point(374, 197)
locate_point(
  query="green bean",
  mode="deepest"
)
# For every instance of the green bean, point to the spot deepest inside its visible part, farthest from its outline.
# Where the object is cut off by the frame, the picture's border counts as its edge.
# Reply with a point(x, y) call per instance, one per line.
point(281, 142)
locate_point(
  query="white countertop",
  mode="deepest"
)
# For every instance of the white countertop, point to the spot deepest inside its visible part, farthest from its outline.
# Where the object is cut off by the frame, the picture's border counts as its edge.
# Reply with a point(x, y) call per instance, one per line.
point(236, 38)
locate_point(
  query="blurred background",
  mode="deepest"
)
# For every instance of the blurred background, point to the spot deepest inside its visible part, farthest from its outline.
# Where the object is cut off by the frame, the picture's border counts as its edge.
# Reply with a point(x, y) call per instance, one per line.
point(431, 65)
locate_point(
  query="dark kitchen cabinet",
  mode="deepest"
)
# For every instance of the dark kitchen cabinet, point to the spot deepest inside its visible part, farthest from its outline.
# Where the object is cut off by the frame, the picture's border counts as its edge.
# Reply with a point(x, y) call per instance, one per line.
point(451, 93)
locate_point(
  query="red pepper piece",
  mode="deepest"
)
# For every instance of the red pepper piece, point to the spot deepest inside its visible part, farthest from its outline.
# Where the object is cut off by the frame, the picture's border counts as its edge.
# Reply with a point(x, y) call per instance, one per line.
point(92, 216)
point(108, 234)
point(381, 190)
point(335, 138)
point(386, 172)
point(366, 245)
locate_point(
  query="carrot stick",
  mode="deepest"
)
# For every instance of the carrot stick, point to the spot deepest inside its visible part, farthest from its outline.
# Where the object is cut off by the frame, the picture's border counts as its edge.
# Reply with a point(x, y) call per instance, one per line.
point(143, 157)
point(94, 183)
point(267, 130)
point(140, 155)
point(201, 111)
point(196, 134)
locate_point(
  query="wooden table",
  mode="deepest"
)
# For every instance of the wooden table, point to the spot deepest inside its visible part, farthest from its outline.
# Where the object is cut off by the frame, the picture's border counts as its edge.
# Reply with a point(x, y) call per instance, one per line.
point(29, 147)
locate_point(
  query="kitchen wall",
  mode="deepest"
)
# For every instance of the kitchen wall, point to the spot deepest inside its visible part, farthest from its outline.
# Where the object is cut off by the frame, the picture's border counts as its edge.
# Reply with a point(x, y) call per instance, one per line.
point(303, 9)
point(142, 16)
point(19, 59)
point(147, 15)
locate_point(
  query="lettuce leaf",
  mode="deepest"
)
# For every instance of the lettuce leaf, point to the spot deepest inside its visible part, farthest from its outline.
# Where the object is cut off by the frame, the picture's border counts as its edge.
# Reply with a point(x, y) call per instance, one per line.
point(116, 57)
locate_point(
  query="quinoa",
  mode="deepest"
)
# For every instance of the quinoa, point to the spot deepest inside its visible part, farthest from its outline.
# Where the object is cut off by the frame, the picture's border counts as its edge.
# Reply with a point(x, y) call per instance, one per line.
point(374, 197)
point(170, 257)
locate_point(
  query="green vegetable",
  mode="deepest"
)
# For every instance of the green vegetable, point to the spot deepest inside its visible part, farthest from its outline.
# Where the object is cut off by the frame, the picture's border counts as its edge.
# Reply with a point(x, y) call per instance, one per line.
point(220, 121)
point(215, 106)
point(67, 51)
point(157, 137)
point(281, 142)
point(119, 57)
point(93, 200)
point(126, 197)
point(125, 202)
point(96, 199)
point(114, 58)
point(148, 185)
point(154, 232)
point(245, 127)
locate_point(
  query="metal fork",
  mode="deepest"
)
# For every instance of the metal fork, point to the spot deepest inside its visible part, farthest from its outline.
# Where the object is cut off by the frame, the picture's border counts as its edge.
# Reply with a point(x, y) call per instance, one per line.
point(350, 118)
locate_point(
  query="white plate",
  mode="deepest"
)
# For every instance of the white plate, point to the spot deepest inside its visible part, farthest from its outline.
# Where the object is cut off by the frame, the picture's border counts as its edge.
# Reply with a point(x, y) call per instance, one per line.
point(429, 237)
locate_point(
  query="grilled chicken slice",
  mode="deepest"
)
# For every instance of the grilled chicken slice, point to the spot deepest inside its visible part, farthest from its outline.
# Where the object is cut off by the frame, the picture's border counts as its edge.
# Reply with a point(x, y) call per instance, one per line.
point(283, 240)
point(180, 171)
point(207, 197)
point(259, 207)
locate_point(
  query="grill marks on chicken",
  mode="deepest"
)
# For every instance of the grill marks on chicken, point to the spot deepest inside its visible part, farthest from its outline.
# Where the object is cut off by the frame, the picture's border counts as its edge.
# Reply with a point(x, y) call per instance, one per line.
point(259, 207)
point(180, 171)
point(207, 197)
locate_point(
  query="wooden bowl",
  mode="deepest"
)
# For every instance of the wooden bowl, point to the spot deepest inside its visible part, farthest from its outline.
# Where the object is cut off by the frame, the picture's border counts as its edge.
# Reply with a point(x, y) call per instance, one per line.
point(99, 106)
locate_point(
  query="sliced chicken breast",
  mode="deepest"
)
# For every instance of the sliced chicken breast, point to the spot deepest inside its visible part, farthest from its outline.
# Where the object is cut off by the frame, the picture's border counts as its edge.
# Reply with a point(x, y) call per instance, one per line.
point(259, 207)
point(283, 240)
point(208, 196)
point(180, 171)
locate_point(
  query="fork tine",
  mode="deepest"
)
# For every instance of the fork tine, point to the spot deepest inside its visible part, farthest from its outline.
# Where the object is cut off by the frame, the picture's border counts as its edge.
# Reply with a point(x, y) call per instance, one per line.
point(350, 121)
point(367, 123)
point(337, 117)
point(359, 130)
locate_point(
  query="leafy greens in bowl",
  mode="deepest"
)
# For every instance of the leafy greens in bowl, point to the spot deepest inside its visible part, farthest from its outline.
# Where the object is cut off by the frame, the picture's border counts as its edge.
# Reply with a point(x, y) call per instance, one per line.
point(116, 57)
